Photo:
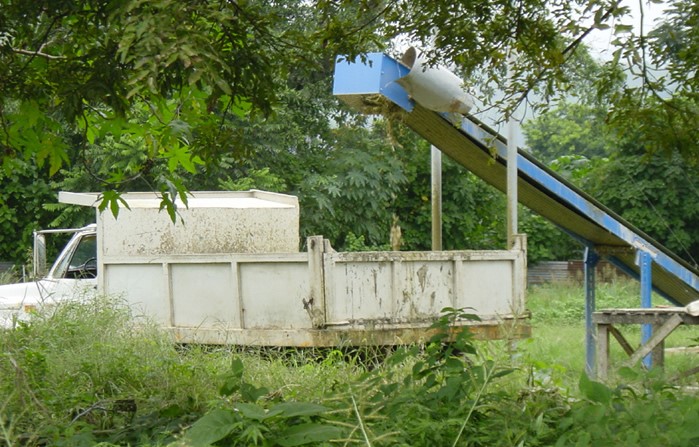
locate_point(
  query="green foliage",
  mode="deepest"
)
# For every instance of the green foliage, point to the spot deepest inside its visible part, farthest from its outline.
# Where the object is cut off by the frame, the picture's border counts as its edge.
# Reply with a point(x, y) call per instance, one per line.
point(143, 95)
point(444, 386)
point(24, 191)
point(572, 129)
point(257, 179)
point(138, 93)
point(84, 368)
point(355, 189)
point(87, 374)
point(473, 213)
point(545, 241)
point(651, 191)
point(629, 417)
point(357, 243)
point(248, 423)
point(659, 107)
point(654, 193)
point(441, 387)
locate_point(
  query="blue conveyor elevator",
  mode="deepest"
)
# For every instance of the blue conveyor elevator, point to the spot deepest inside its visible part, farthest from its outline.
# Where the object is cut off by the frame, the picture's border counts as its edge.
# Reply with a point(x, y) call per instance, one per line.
point(371, 84)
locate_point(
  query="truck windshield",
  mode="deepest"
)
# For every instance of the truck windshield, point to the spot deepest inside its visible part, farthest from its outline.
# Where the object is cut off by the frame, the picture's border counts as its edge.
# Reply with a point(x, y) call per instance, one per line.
point(82, 263)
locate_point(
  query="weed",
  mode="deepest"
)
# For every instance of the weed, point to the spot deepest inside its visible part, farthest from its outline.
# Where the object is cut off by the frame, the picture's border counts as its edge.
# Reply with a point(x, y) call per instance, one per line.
point(71, 371)
point(9, 276)
point(628, 416)
point(241, 418)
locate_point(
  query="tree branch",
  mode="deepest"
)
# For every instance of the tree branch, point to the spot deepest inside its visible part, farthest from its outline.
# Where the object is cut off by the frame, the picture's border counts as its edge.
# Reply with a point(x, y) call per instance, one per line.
point(38, 53)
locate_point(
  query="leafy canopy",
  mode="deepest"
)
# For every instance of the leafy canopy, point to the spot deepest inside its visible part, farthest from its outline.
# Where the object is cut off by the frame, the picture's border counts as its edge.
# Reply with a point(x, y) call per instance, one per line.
point(160, 78)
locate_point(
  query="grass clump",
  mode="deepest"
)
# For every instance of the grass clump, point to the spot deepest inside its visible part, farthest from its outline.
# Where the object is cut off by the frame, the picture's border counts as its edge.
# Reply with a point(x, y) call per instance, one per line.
point(89, 365)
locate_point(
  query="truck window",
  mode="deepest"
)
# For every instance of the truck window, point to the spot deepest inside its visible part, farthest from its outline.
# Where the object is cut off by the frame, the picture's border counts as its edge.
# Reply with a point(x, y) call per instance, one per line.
point(83, 262)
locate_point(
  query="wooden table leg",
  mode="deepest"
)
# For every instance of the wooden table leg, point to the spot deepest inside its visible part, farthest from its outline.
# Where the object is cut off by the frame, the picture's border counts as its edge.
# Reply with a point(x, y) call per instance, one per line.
point(622, 340)
point(602, 351)
point(658, 354)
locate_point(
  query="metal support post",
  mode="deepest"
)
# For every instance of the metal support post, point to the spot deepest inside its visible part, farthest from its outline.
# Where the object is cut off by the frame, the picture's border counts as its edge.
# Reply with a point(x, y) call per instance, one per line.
point(436, 199)
point(591, 260)
point(645, 263)
point(512, 198)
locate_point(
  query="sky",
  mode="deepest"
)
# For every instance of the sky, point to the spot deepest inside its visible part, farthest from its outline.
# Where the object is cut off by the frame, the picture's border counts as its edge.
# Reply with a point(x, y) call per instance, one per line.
point(600, 42)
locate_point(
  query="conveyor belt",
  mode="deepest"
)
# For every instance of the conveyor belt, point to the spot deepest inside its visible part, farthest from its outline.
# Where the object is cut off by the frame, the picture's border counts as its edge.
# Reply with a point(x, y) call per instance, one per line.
point(366, 85)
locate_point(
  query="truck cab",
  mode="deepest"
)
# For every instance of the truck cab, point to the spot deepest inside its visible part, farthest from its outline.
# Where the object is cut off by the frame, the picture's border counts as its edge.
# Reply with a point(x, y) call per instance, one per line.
point(72, 276)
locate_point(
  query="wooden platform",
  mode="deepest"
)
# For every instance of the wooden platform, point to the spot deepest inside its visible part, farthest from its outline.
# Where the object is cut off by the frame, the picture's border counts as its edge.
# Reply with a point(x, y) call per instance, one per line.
point(663, 321)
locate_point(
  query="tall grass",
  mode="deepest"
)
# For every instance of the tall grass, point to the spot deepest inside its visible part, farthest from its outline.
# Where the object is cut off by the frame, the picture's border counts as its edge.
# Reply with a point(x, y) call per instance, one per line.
point(9, 276)
point(87, 364)
point(87, 374)
point(557, 344)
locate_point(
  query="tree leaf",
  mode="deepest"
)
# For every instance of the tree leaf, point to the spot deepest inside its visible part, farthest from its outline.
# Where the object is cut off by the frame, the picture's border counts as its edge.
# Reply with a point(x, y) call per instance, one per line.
point(211, 428)
point(251, 411)
point(308, 433)
point(295, 409)
point(595, 391)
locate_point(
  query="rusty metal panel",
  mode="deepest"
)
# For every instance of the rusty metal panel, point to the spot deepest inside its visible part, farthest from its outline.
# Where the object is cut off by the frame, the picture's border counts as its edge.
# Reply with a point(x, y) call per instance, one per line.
point(487, 288)
point(359, 291)
point(371, 288)
point(425, 289)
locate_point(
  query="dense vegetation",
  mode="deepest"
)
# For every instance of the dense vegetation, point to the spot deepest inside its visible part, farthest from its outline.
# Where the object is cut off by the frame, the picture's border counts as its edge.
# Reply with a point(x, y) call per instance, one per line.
point(110, 96)
point(88, 374)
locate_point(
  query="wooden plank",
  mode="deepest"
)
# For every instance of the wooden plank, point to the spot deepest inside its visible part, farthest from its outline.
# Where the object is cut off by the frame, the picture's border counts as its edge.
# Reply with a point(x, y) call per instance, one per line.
point(659, 335)
point(626, 346)
point(642, 316)
point(684, 374)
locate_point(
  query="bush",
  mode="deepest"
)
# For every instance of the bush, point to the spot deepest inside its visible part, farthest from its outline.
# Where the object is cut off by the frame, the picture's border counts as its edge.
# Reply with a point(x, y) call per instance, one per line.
point(83, 367)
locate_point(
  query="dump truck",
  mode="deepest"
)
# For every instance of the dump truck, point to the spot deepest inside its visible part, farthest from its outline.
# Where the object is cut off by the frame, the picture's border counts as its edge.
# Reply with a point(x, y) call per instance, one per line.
point(230, 271)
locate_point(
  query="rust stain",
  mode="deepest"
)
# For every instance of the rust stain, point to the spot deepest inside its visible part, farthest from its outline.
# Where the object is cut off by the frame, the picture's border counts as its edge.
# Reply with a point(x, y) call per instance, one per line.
point(422, 277)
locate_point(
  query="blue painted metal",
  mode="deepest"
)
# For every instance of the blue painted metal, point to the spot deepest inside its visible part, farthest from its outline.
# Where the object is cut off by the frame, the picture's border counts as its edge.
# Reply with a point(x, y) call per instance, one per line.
point(636, 275)
point(357, 81)
point(645, 262)
point(591, 260)
point(376, 74)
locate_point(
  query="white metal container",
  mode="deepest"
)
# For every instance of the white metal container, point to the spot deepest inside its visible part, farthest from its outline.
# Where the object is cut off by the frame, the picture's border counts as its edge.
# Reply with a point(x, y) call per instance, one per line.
point(212, 222)
point(232, 273)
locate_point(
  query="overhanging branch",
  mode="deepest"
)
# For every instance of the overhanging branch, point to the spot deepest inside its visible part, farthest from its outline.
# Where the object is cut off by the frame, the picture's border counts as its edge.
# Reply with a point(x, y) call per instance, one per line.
point(38, 53)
